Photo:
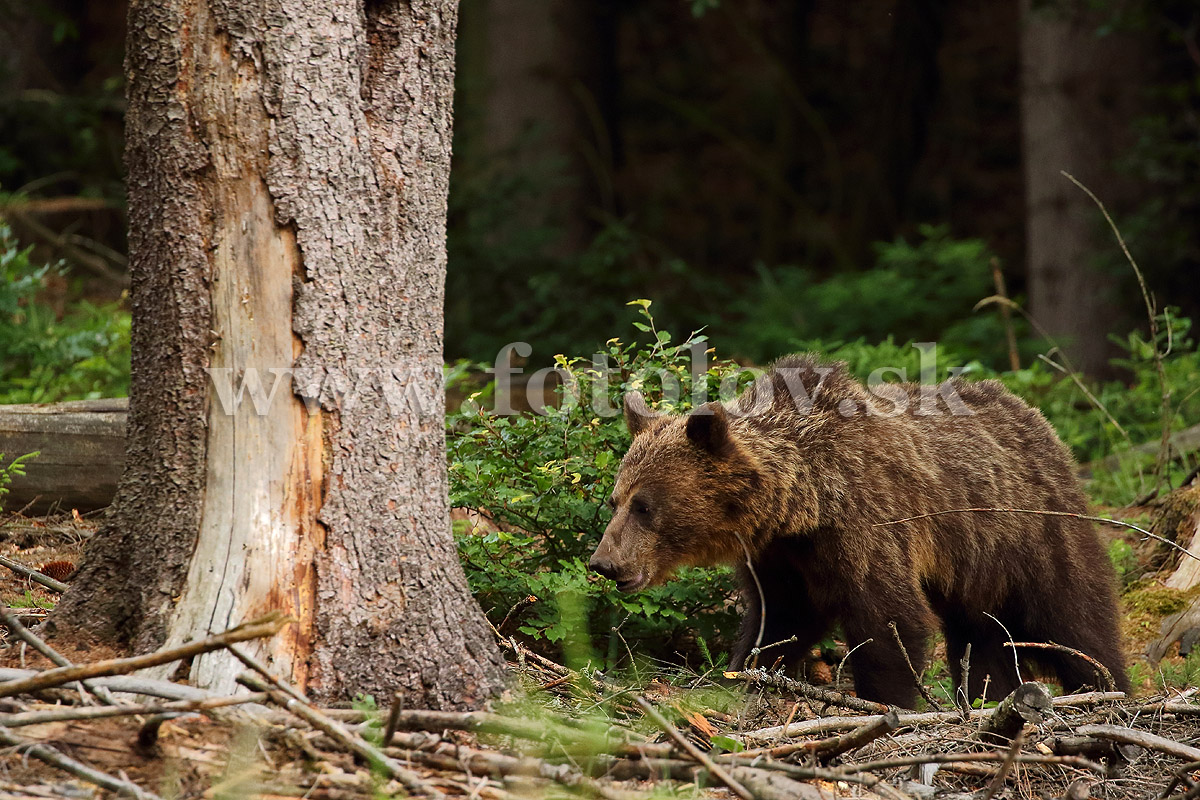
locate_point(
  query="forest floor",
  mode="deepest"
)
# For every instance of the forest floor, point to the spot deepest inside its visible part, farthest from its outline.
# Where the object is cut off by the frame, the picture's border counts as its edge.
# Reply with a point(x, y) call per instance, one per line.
point(558, 732)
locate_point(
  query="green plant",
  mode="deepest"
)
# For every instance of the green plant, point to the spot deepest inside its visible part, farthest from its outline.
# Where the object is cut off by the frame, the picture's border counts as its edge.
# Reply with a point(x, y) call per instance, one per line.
point(29, 601)
point(923, 291)
point(1124, 561)
point(540, 481)
point(45, 357)
point(14, 469)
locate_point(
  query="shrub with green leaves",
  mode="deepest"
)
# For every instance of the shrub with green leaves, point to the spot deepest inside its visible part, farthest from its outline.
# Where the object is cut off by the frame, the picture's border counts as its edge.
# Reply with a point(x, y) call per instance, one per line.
point(45, 358)
point(541, 482)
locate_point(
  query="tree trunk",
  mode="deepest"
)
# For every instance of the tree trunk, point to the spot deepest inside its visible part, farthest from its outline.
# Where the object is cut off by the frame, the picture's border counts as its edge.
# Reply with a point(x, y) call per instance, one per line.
point(1079, 94)
point(287, 170)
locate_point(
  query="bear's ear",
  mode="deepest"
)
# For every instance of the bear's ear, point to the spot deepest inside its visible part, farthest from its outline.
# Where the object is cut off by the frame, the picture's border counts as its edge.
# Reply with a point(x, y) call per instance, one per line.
point(708, 428)
point(637, 413)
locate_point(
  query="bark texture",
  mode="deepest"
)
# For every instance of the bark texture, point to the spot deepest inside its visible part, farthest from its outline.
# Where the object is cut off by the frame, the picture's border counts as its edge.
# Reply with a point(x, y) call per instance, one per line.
point(1079, 93)
point(288, 175)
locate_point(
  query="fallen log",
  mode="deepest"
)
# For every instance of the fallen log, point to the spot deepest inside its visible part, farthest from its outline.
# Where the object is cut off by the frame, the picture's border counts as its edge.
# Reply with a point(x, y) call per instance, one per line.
point(81, 453)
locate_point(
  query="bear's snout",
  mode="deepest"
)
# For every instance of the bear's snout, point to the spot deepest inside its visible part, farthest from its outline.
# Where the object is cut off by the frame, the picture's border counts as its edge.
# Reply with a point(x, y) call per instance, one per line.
point(603, 566)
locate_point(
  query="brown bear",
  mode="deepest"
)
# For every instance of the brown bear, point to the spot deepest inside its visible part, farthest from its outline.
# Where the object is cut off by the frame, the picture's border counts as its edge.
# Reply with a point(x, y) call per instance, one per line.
point(794, 477)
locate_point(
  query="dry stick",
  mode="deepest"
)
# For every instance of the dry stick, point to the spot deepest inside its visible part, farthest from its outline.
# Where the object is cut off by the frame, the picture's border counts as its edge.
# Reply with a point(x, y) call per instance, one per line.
point(33, 574)
point(1111, 685)
point(831, 724)
point(714, 769)
point(1077, 762)
point(393, 719)
point(826, 749)
point(126, 683)
point(1010, 758)
point(56, 759)
point(24, 634)
point(1014, 356)
point(828, 696)
point(1152, 315)
point(1148, 740)
point(335, 731)
point(1117, 522)
point(260, 628)
point(67, 714)
point(934, 704)
point(962, 694)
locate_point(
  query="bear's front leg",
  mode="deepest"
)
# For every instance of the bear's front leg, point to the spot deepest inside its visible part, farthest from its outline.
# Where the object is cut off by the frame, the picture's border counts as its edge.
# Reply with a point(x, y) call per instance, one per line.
point(881, 672)
point(789, 612)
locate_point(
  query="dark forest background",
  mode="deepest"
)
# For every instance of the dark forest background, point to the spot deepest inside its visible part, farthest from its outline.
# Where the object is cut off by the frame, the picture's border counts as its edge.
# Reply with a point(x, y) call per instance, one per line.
point(776, 172)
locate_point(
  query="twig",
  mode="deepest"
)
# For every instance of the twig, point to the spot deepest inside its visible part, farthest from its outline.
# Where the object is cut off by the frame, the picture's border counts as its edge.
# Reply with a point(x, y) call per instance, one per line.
point(832, 724)
point(68, 714)
point(1014, 356)
point(1149, 741)
point(56, 759)
point(762, 600)
point(714, 769)
point(1152, 315)
point(393, 719)
point(1028, 703)
point(335, 731)
point(266, 626)
point(933, 703)
point(1006, 765)
point(125, 683)
point(29, 637)
point(829, 696)
point(826, 749)
point(837, 677)
point(1016, 660)
point(33, 575)
point(1110, 684)
point(962, 695)
point(949, 758)
point(1117, 522)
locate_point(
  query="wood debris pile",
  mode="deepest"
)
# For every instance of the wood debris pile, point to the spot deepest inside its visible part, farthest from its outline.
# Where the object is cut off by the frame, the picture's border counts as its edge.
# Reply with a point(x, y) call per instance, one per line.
point(81, 730)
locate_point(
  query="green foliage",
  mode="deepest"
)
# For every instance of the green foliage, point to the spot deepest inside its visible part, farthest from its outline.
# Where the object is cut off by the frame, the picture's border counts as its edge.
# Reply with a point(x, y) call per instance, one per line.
point(14, 469)
point(28, 600)
point(542, 480)
point(923, 292)
point(1124, 561)
point(46, 358)
point(1179, 675)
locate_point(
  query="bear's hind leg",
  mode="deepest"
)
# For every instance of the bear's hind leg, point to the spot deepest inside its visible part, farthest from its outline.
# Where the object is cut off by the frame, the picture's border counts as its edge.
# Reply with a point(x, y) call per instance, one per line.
point(990, 664)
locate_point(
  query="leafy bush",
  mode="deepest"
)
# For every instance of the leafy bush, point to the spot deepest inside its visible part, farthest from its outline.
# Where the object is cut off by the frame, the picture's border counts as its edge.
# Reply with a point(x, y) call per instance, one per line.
point(923, 291)
point(14, 469)
point(542, 482)
point(45, 358)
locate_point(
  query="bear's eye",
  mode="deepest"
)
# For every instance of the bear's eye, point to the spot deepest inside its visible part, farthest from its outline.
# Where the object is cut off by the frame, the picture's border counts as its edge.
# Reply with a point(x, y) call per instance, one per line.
point(641, 508)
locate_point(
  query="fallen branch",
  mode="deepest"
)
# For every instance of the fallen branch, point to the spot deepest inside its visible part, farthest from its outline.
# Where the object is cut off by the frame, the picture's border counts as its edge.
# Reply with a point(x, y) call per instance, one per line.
point(1149, 741)
point(833, 724)
point(715, 770)
point(1110, 684)
point(24, 634)
point(67, 764)
point(334, 730)
point(266, 626)
point(128, 684)
point(68, 714)
point(1027, 704)
point(33, 575)
point(826, 749)
point(1076, 762)
point(831, 697)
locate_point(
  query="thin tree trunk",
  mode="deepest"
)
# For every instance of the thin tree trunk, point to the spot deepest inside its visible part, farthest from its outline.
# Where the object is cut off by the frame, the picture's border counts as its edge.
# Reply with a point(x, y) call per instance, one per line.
point(288, 171)
point(1079, 95)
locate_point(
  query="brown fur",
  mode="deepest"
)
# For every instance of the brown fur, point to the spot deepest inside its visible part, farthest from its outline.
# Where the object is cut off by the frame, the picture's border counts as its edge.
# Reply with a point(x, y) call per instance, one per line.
point(799, 490)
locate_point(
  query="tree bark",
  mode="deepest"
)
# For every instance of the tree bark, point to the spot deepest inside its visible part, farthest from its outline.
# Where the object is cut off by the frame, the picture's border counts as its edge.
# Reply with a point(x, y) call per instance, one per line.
point(288, 169)
point(1079, 95)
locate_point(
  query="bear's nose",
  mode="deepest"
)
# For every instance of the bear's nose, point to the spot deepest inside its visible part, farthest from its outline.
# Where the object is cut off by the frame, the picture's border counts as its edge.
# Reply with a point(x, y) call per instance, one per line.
point(603, 566)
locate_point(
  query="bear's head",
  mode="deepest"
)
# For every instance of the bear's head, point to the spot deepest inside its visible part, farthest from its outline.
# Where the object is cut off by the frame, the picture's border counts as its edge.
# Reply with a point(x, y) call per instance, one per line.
point(682, 497)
